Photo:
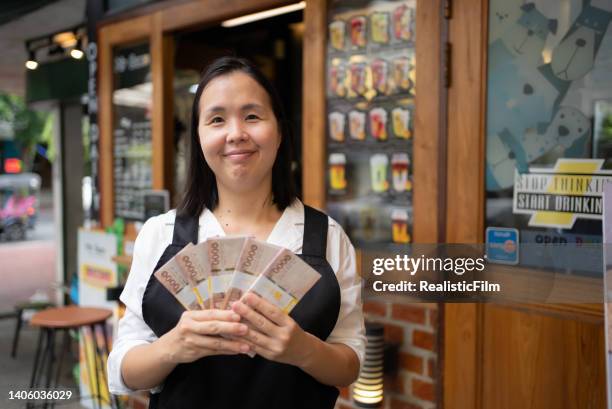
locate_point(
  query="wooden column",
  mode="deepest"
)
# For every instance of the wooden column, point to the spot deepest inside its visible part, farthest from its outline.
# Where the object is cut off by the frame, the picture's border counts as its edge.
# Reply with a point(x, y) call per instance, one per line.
point(313, 105)
point(429, 155)
point(162, 121)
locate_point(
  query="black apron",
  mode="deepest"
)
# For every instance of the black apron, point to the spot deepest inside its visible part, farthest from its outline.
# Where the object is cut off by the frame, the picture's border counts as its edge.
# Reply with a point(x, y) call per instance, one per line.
point(240, 382)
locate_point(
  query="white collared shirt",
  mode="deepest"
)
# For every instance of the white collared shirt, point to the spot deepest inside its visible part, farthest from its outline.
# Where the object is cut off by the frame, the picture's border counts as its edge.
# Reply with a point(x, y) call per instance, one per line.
point(156, 235)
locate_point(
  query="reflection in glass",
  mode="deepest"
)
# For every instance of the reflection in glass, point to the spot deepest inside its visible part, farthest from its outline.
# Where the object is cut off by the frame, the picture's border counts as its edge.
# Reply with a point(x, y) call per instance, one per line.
point(132, 99)
point(549, 66)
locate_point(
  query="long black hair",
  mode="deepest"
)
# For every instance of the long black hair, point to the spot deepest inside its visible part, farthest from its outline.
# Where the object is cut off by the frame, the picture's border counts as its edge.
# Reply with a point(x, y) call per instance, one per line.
point(201, 185)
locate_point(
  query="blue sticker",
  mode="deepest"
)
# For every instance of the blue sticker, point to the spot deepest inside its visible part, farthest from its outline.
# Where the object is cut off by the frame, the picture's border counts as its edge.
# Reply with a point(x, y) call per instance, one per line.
point(502, 245)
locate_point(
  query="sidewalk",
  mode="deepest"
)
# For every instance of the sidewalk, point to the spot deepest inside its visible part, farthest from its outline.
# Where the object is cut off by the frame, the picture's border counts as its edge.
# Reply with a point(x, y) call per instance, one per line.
point(15, 373)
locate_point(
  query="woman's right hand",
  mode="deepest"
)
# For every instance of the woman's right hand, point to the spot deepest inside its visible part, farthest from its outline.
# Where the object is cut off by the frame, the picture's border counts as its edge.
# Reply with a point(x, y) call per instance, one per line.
point(199, 334)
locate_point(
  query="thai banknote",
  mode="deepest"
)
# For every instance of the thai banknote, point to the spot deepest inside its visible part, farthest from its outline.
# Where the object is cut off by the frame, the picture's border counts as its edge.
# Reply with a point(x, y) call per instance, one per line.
point(171, 277)
point(285, 281)
point(193, 260)
point(254, 257)
point(222, 253)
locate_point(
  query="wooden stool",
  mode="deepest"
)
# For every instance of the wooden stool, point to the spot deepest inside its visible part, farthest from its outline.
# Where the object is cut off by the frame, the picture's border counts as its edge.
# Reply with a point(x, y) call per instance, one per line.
point(64, 319)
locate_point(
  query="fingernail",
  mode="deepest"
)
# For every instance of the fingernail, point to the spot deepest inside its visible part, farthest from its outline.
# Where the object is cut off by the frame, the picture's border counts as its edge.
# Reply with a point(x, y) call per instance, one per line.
point(243, 328)
point(244, 348)
point(235, 317)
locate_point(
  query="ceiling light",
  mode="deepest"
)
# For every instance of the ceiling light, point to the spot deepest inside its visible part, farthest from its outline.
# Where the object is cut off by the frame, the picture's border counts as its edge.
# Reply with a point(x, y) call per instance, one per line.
point(76, 53)
point(31, 64)
point(249, 18)
point(66, 39)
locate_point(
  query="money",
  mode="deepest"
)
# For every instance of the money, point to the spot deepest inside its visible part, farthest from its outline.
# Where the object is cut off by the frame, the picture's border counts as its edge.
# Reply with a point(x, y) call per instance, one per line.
point(193, 260)
point(254, 257)
point(285, 281)
point(222, 255)
point(171, 277)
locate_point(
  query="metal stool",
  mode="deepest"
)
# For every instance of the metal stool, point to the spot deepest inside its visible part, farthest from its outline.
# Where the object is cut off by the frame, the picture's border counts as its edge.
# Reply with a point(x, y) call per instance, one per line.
point(64, 319)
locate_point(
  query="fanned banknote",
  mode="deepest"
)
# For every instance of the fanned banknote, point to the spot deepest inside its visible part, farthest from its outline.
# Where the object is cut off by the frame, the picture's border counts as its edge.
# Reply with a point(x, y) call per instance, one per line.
point(285, 281)
point(193, 260)
point(222, 255)
point(172, 278)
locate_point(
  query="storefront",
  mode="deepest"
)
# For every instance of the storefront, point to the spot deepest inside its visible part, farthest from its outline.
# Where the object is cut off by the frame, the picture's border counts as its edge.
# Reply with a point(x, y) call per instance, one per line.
point(406, 114)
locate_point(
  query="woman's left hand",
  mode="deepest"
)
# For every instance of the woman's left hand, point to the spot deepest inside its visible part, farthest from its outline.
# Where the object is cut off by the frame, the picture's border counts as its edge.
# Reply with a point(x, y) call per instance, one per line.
point(273, 334)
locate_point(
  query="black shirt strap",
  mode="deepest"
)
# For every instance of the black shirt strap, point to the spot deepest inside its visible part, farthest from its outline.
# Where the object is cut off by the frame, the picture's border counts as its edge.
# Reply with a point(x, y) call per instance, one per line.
point(315, 232)
point(185, 230)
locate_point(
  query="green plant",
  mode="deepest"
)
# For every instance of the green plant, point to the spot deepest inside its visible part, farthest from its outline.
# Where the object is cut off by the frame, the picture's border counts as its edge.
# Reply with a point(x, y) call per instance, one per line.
point(28, 127)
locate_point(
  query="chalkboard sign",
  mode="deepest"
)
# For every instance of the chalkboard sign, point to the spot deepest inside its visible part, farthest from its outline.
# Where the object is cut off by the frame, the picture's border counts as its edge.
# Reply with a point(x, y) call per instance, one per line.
point(132, 98)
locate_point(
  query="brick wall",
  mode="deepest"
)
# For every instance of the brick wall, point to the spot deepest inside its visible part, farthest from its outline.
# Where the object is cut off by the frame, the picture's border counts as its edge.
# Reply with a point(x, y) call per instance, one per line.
point(414, 327)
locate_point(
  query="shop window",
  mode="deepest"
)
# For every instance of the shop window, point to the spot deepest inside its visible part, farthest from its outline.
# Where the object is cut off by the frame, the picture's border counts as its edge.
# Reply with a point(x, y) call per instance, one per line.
point(370, 106)
point(132, 99)
point(548, 127)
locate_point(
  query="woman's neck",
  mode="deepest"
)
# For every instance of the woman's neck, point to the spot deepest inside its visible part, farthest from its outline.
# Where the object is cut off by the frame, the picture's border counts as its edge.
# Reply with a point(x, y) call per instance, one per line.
point(250, 212)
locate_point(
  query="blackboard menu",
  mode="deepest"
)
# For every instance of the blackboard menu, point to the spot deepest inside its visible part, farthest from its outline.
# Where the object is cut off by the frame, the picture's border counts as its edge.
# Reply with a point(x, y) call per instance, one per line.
point(370, 109)
point(132, 149)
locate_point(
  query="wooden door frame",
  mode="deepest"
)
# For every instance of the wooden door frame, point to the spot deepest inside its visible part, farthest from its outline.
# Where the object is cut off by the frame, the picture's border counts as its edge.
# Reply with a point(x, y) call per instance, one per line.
point(156, 26)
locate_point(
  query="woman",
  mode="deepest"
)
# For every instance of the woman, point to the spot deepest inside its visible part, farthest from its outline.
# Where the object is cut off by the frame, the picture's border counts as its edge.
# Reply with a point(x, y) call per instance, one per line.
point(239, 183)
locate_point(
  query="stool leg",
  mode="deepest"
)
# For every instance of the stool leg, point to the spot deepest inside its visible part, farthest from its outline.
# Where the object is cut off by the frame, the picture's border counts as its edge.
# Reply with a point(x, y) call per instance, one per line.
point(37, 357)
point(51, 347)
point(65, 346)
point(17, 330)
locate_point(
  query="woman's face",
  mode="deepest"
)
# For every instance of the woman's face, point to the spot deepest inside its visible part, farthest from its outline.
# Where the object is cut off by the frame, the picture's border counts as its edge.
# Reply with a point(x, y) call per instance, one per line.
point(238, 131)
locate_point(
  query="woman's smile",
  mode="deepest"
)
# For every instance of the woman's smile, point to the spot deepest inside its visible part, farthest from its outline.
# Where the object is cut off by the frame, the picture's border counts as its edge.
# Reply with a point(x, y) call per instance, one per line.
point(239, 155)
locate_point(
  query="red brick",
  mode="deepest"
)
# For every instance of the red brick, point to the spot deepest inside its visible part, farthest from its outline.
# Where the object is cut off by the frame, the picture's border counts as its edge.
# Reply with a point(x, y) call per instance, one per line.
point(408, 313)
point(394, 333)
point(431, 368)
point(394, 383)
point(375, 308)
point(344, 392)
point(433, 318)
point(398, 404)
point(423, 339)
point(423, 390)
point(411, 362)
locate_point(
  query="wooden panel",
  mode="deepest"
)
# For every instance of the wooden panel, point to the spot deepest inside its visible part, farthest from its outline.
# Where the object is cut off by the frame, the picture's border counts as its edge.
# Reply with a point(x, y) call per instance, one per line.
point(105, 125)
point(428, 155)
point(162, 121)
point(201, 12)
point(465, 196)
point(466, 136)
point(125, 32)
point(313, 105)
point(542, 362)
